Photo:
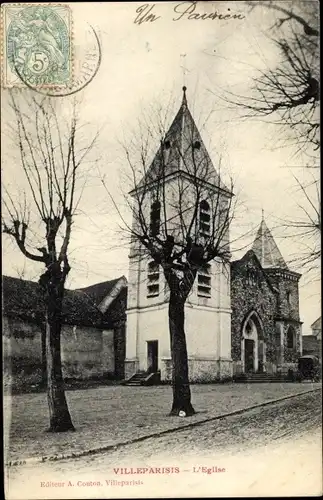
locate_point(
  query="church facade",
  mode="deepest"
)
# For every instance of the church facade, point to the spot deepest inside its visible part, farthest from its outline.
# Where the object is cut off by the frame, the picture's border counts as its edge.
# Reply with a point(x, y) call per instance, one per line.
point(240, 317)
point(266, 333)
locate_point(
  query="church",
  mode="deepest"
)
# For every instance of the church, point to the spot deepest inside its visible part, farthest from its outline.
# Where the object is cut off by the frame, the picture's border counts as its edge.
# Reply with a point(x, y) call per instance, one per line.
point(241, 317)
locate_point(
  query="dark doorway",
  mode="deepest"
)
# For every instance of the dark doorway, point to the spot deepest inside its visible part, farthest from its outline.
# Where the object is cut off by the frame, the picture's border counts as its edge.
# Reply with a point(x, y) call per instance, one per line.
point(249, 355)
point(152, 356)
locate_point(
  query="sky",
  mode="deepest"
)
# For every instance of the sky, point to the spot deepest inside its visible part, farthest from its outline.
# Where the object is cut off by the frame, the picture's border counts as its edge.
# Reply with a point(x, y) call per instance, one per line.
point(143, 67)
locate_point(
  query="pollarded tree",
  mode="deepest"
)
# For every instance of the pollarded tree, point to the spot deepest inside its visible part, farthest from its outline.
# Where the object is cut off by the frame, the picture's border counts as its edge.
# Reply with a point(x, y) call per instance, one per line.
point(288, 91)
point(181, 213)
point(48, 144)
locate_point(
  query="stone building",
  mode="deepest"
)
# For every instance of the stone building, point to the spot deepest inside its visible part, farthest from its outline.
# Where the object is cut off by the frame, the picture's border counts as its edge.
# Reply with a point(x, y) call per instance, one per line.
point(238, 319)
point(265, 323)
point(93, 333)
point(312, 344)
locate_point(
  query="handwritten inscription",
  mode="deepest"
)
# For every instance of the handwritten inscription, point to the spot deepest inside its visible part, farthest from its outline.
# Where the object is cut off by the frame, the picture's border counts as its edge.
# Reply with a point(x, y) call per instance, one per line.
point(145, 14)
point(184, 11)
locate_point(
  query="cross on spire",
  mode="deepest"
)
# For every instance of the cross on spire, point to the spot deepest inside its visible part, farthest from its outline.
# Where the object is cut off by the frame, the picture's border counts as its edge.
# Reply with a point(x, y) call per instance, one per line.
point(183, 66)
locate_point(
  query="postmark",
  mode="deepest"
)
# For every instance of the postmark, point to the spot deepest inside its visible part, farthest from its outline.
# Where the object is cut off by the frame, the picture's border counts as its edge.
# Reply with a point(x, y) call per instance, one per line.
point(37, 45)
point(87, 62)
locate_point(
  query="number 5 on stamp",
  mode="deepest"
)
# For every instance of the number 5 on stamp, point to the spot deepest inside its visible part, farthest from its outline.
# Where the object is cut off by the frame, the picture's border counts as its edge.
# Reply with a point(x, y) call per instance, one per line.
point(37, 45)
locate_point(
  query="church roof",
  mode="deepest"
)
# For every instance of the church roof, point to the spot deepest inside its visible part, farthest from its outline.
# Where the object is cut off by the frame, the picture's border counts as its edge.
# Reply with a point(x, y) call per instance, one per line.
point(183, 150)
point(264, 246)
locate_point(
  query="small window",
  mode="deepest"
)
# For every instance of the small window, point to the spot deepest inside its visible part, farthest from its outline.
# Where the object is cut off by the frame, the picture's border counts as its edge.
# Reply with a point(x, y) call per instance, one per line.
point(290, 338)
point(251, 277)
point(205, 219)
point(155, 218)
point(204, 282)
point(167, 144)
point(197, 145)
point(153, 279)
point(288, 297)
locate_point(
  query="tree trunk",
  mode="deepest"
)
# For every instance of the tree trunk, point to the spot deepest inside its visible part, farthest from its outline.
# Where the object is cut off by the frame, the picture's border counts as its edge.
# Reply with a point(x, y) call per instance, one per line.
point(181, 388)
point(60, 419)
point(43, 354)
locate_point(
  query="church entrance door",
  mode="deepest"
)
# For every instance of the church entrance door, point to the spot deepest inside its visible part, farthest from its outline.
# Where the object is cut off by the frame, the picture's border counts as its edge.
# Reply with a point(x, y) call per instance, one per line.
point(253, 346)
point(152, 356)
point(249, 355)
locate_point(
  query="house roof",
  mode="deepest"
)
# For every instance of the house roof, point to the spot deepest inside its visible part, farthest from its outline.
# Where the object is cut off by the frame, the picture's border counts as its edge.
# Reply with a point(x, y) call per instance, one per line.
point(21, 298)
point(178, 152)
point(317, 325)
point(99, 291)
point(24, 300)
point(266, 249)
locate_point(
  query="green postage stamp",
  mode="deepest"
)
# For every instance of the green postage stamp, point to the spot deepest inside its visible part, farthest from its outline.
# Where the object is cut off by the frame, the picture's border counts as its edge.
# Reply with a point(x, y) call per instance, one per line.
point(37, 45)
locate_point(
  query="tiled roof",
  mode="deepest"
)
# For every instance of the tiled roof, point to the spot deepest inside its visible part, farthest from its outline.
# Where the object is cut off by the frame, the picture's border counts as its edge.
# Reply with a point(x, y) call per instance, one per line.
point(99, 291)
point(23, 299)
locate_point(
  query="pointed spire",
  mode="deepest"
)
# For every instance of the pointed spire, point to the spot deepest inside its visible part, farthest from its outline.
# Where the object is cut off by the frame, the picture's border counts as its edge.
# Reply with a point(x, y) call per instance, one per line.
point(266, 249)
point(180, 137)
point(184, 100)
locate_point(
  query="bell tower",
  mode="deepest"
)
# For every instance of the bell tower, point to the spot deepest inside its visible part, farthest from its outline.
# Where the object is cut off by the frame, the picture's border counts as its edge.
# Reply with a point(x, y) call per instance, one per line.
point(207, 309)
point(286, 284)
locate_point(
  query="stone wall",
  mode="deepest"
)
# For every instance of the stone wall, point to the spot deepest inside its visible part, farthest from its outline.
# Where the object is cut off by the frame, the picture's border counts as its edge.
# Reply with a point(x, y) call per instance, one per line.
point(250, 291)
point(288, 294)
point(86, 351)
point(200, 370)
point(291, 354)
point(22, 350)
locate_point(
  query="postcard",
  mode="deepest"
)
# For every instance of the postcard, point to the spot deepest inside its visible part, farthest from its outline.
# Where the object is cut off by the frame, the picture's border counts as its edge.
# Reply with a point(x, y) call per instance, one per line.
point(161, 249)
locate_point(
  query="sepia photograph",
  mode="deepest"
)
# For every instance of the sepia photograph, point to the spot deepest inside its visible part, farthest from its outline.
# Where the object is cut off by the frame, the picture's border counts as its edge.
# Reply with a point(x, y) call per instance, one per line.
point(161, 249)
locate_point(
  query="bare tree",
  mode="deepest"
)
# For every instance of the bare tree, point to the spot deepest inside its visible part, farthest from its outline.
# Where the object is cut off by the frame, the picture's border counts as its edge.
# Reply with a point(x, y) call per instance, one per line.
point(288, 94)
point(289, 91)
point(305, 227)
point(50, 157)
point(181, 214)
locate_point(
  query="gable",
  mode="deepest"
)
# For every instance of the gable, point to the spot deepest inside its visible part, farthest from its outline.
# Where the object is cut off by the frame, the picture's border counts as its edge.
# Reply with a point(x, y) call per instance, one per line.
point(249, 264)
point(317, 325)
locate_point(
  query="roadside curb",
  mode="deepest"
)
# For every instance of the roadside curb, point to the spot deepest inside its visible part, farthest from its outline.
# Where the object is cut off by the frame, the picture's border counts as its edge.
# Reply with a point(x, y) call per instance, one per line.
point(94, 451)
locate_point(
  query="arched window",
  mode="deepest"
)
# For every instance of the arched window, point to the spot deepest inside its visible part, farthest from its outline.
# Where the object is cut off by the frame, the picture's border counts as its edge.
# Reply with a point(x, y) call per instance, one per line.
point(197, 145)
point(153, 279)
point(155, 218)
point(290, 338)
point(249, 327)
point(204, 219)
